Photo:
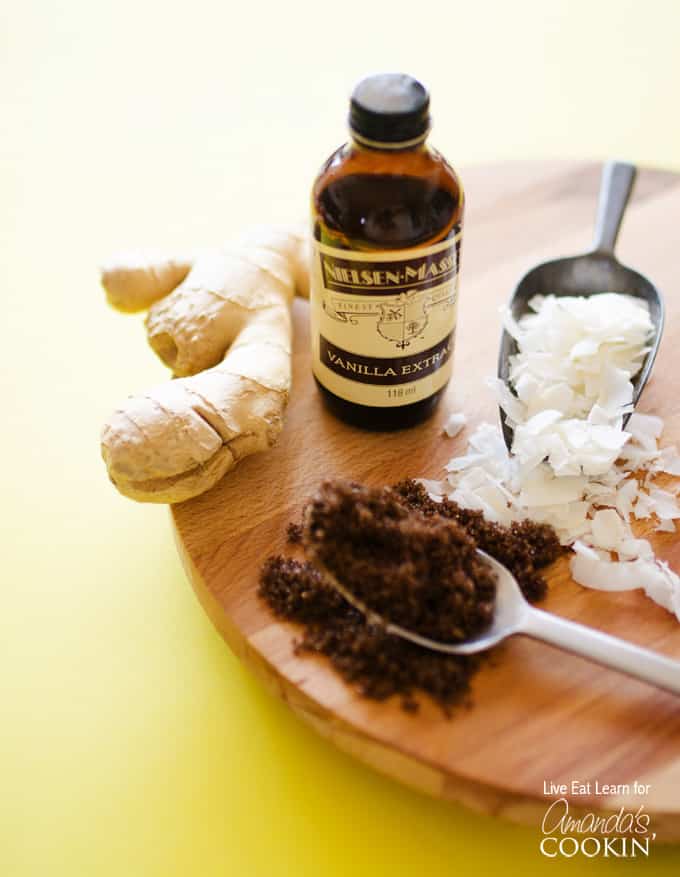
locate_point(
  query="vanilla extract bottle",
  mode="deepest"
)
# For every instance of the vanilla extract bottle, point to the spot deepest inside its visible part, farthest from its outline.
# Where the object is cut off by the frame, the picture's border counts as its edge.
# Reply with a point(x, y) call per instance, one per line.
point(387, 215)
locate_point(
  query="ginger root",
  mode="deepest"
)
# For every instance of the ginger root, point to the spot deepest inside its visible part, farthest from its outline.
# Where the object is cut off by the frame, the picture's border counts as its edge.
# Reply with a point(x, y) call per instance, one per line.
point(133, 281)
point(226, 331)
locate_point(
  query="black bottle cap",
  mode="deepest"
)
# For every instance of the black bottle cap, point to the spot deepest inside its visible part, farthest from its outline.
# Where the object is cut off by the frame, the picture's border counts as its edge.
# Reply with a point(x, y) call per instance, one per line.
point(389, 108)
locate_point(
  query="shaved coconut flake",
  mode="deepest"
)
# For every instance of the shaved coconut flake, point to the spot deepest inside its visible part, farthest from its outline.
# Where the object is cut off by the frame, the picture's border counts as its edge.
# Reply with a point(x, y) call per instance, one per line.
point(470, 499)
point(668, 593)
point(641, 570)
point(665, 526)
point(540, 422)
point(576, 433)
point(570, 520)
point(586, 347)
point(668, 461)
point(625, 497)
point(557, 396)
point(632, 549)
point(659, 582)
point(605, 500)
point(559, 458)
point(645, 428)
point(616, 391)
point(476, 477)
point(604, 575)
point(588, 551)
point(526, 386)
point(487, 439)
point(596, 489)
point(598, 415)
point(637, 457)
point(542, 488)
point(436, 489)
point(458, 464)
point(643, 507)
point(664, 503)
point(611, 438)
point(510, 325)
point(454, 424)
point(514, 409)
point(477, 488)
point(607, 530)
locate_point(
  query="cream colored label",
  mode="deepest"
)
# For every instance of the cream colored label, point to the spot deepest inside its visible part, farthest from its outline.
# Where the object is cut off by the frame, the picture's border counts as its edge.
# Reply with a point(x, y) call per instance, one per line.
point(383, 324)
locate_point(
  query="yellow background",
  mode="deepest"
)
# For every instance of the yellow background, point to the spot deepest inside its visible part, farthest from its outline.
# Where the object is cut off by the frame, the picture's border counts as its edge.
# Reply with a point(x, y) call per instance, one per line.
point(131, 741)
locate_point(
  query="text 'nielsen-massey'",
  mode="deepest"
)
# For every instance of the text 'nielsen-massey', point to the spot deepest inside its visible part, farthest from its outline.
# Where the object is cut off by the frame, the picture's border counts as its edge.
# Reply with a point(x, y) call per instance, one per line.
point(387, 228)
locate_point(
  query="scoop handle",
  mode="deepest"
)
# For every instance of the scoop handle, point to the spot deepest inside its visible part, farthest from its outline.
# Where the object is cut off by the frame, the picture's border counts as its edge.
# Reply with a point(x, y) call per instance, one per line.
point(604, 649)
point(618, 178)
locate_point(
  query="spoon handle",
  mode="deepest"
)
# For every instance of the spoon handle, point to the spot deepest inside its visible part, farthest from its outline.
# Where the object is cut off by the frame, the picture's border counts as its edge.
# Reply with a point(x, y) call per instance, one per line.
point(617, 184)
point(604, 649)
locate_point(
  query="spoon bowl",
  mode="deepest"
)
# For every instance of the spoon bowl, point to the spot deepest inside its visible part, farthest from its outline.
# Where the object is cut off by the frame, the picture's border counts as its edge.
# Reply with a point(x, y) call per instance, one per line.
point(514, 615)
point(590, 274)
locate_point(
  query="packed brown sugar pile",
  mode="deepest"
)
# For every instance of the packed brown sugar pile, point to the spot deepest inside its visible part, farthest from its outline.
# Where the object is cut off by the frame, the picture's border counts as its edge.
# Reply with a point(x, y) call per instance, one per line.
point(413, 561)
point(420, 572)
point(524, 547)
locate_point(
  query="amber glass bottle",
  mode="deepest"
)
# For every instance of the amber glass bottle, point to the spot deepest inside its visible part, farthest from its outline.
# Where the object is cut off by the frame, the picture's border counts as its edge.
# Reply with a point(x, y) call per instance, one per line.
point(387, 220)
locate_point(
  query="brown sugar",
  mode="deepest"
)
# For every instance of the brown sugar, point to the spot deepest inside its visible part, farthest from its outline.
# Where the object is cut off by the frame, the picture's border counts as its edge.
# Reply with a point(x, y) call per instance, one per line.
point(379, 664)
point(419, 571)
point(524, 547)
point(294, 533)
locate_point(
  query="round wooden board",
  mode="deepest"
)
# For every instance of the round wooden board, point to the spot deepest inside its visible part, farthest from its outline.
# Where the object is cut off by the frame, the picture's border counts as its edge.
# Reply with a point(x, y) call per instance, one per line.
point(538, 715)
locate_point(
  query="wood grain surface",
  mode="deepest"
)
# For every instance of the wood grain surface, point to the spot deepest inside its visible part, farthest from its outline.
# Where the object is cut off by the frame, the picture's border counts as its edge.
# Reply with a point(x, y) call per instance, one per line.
point(538, 714)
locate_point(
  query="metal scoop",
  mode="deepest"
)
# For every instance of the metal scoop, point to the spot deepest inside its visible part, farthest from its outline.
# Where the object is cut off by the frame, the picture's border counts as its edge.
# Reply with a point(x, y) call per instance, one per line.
point(595, 272)
point(512, 615)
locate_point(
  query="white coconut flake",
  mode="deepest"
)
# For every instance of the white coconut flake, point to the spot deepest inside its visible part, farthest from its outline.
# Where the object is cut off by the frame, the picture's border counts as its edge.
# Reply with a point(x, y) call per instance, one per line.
point(514, 409)
point(542, 488)
point(668, 461)
point(668, 596)
point(436, 489)
point(632, 549)
point(663, 503)
point(626, 495)
point(643, 507)
point(604, 575)
point(455, 423)
point(616, 392)
point(580, 547)
point(646, 430)
point(607, 530)
point(458, 464)
point(657, 580)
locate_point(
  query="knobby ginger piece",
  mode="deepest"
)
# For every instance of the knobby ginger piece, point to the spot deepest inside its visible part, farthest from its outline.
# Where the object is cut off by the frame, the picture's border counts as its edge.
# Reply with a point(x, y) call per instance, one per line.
point(231, 312)
point(291, 242)
point(135, 279)
point(192, 328)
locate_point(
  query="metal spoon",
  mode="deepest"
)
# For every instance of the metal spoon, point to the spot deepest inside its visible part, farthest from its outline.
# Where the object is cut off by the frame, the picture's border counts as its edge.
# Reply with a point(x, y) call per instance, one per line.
point(513, 615)
point(595, 272)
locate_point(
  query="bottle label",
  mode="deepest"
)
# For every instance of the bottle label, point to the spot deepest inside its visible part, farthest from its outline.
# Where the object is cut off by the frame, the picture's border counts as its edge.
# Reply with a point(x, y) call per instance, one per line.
point(383, 323)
